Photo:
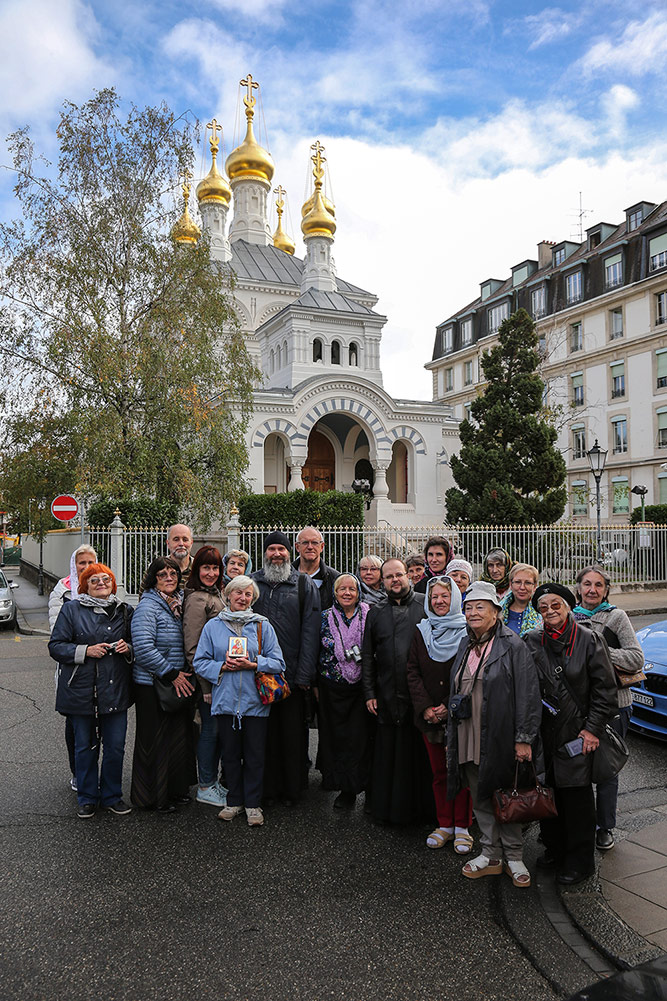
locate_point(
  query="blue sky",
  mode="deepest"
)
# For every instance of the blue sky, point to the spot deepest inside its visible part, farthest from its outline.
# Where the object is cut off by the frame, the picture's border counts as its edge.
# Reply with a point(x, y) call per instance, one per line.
point(458, 134)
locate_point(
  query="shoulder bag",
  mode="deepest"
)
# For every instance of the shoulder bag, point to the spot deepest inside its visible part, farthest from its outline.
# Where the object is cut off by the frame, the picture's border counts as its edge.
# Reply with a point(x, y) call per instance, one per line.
point(623, 679)
point(612, 752)
point(521, 806)
point(270, 687)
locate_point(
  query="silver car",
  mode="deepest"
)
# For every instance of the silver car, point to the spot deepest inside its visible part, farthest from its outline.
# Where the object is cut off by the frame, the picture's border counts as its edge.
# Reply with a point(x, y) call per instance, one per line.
point(7, 603)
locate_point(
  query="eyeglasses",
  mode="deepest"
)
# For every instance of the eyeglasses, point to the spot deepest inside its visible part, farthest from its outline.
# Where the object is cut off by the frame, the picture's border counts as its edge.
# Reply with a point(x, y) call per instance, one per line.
point(104, 579)
point(394, 576)
point(555, 606)
point(163, 574)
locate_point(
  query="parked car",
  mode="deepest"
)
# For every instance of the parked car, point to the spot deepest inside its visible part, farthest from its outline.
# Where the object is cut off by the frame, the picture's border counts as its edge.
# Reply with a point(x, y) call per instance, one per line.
point(649, 698)
point(7, 603)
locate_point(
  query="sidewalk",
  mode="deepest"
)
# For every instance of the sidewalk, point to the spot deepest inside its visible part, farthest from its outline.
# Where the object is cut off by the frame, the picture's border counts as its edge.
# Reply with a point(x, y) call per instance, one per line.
point(33, 615)
point(634, 881)
point(641, 602)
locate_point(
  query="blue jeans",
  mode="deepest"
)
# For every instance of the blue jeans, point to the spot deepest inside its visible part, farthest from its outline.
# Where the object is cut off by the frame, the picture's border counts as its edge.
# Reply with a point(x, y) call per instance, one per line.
point(208, 747)
point(606, 793)
point(105, 787)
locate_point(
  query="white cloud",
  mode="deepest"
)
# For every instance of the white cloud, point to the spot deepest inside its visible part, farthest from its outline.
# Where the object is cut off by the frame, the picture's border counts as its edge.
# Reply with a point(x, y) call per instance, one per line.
point(641, 48)
point(616, 104)
point(258, 10)
point(551, 25)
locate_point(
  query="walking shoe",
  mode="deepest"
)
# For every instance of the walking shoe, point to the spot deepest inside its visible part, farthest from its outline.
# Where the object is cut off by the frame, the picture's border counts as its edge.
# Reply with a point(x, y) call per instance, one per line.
point(121, 808)
point(214, 795)
point(345, 801)
point(604, 840)
point(72, 783)
point(86, 811)
point(254, 815)
point(229, 812)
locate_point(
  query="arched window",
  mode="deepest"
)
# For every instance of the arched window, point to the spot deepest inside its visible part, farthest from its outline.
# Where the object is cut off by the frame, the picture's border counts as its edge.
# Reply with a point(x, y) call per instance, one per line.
point(354, 355)
point(317, 349)
point(272, 362)
point(335, 353)
point(279, 363)
point(284, 352)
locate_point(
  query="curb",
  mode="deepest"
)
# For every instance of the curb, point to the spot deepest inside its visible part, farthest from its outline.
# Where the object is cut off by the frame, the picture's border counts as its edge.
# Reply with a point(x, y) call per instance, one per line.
point(25, 628)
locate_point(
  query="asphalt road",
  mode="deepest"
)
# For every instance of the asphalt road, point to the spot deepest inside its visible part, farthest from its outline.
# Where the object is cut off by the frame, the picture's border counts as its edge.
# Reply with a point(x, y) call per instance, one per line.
point(314, 905)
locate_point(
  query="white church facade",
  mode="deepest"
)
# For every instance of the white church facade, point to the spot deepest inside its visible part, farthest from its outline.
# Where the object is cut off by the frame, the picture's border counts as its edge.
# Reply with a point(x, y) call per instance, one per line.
point(321, 418)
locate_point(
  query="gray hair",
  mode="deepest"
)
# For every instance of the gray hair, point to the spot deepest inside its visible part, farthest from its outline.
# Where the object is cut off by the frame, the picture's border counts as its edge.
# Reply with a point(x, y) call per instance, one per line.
point(374, 561)
point(85, 548)
point(593, 568)
point(239, 584)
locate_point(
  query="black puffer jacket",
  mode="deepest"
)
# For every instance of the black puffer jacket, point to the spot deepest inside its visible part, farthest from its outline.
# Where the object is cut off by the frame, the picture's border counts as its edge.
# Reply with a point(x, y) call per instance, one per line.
point(583, 656)
point(511, 713)
point(293, 609)
point(390, 627)
point(86, 685)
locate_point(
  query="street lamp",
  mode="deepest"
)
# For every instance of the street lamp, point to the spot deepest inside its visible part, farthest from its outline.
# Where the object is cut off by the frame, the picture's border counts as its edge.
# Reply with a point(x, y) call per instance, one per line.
point(596, 459)
point(641, 491)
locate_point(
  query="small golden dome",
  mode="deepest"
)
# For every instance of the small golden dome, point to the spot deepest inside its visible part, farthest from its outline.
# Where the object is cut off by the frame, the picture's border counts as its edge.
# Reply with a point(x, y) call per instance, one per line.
point(282, 241)
point(308, 206)
point(214, 187)
point(250, 159)
point(185, 231)
point(319, 222)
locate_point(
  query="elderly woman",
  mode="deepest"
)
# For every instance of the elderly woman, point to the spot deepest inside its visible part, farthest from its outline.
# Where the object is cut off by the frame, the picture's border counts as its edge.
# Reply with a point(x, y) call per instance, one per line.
point(202, 600)
point(344, 737)
point(163, 768)
point(497, 565)
point(461, 573)
point(370, 575)
point(494, 712)
point(579, 696)
point(90, 642)
point(235, 563)
point(627, 659)
point(415, 568)
point(434, 647)
point(241, 715)
point(518, 614)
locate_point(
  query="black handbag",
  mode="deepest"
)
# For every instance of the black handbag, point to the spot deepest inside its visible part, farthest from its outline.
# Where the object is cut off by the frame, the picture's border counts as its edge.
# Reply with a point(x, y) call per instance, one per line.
point(521, 806)
point(610, 756)
point(168, 698)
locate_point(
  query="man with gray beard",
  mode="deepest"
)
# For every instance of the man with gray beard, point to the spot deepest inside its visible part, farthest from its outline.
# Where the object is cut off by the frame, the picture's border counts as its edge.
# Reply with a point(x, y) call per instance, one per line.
point(291, 603)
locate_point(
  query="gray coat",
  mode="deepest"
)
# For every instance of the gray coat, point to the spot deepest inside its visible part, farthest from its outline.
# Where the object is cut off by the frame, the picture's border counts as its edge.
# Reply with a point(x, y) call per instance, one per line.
point(511, 713)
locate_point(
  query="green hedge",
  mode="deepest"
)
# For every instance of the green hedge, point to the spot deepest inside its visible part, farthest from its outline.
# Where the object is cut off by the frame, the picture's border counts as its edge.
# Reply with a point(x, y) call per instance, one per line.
point(653, 512)
point(134, 513)
point(302, 507)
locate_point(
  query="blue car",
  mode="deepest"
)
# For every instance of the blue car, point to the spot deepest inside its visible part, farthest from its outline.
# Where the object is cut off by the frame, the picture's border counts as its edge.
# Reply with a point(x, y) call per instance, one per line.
point(649, 698)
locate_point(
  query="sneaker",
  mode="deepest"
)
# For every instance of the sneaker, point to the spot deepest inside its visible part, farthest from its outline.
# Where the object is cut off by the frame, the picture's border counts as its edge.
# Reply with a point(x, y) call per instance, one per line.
point(255, 816)
point(214, 795)
point(72, 783)
point(604, 840)
point(121, 808)
point(86, 811)
point(229, 812)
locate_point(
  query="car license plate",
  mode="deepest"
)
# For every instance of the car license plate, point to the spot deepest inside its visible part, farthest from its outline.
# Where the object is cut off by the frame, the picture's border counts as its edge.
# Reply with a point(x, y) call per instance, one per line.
point(642, 700)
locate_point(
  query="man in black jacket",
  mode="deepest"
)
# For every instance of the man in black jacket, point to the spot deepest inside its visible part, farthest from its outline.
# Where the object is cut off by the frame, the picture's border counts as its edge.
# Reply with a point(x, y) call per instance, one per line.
point(399, 751)
point(310, 546)
point(291, 603)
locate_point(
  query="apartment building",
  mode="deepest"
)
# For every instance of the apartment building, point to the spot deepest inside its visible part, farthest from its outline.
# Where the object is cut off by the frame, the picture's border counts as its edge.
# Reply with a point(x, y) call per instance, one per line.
point(600, 308)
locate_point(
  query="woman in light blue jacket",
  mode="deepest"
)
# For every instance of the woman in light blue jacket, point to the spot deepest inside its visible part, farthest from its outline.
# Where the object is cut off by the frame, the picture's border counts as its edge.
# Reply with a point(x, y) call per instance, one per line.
point(242, 717)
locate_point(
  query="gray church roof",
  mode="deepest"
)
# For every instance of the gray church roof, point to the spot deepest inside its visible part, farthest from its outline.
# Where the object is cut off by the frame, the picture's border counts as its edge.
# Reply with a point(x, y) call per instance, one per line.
point(332, 302)
point(257, 263)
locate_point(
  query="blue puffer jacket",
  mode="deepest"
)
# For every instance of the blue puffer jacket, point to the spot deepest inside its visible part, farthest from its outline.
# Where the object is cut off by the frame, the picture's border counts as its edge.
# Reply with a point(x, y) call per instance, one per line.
point(157, 638)
point(86, 685)
point(235, 692)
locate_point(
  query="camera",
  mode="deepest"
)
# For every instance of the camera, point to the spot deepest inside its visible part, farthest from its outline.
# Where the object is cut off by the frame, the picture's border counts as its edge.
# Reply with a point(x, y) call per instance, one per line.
point(460, 707)
point(354, 653)
point(112, 647)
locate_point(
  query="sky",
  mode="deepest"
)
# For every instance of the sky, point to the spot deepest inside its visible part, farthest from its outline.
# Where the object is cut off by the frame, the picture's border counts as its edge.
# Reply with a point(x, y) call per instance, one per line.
point(458, 133)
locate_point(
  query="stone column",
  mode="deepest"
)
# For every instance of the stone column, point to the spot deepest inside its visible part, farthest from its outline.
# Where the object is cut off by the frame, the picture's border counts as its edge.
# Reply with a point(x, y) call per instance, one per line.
point(380, 488)
point(116, 561)
point(233, 527)
point(296, 465)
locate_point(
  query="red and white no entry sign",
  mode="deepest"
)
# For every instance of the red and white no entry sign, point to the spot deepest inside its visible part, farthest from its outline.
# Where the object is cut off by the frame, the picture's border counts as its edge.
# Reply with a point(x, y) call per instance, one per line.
point(64, 508)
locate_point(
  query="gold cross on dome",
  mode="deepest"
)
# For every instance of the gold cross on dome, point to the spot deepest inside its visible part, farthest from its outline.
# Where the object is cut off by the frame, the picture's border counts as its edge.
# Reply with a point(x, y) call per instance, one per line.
point(280, 203)
point(318, 160)
point(187, 177)
point(214, 142)
point(250, 101)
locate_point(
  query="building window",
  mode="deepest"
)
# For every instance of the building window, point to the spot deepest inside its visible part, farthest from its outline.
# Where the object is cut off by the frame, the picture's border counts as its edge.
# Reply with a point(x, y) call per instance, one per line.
point(449, 380)
point(619, 428)
point(579, 498)
point(335, 353)
point(559, 256)
point(466, 332)
point(353, 355)
point(573, 287)
point(576, 337)
point(538, 302)
point(616, 323)
point(662, 488)
point(578, 389)
point(617, 380)
point(467, 415)
point(467, 374)
point(317, 349)
point(496, 316)
point(579, 442)
point(662, 428)
point(272, 362)
point(657, 252)
point(620, 503)
point(613, 271)
point(635, 219)
point(279, 363)
point(449, 340)
point(661, 307)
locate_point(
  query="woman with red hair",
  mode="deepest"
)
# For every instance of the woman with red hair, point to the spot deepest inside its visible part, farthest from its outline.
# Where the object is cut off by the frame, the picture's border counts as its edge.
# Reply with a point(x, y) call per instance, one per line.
point(90, 642)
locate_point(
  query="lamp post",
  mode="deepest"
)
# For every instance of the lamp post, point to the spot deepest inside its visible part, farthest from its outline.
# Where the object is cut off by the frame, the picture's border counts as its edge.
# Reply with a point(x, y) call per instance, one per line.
point(641, 490)
point(597, 458)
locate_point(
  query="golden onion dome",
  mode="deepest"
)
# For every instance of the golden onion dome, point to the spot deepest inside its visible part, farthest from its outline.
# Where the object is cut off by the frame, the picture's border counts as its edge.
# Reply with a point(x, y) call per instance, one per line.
point(318, 222)
point(214, 187)
point(282, 241)
point(308, 206)
point(249, 159)
point(185, 231)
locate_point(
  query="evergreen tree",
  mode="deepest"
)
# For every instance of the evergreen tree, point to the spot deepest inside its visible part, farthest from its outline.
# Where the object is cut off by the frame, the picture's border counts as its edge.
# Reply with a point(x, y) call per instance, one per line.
point(508, 470)
point(112, 330)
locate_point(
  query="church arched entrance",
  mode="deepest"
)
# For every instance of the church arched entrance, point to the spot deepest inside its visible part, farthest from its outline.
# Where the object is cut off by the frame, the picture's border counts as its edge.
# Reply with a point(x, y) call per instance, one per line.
point(319, 472)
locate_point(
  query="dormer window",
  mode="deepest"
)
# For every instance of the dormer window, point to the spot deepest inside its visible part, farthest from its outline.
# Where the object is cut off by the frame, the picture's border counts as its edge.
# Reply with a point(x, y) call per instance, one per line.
point(573, 287)
point(559, 256)
point(635, 219)
point(613, 271)
point(449, 340)
point(657, 252)
point(497, 314)
point(466, 331)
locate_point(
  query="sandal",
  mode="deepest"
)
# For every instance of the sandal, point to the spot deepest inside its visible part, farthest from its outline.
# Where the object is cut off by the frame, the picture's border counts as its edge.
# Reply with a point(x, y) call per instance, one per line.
point(439, 838)
point(517, 873)
point(482, 866)
point(463, 844)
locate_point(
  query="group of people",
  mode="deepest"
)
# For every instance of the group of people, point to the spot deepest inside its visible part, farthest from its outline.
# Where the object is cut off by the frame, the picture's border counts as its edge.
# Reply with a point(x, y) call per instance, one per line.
point(428, 688)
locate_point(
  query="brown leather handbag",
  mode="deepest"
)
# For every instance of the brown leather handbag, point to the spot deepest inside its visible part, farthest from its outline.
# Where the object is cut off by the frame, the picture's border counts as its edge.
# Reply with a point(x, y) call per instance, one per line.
point(521, 806)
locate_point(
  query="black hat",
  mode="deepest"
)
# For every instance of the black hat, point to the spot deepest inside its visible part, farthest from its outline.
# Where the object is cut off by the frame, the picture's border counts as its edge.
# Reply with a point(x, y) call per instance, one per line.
point(559, 589)
point(277, 539)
